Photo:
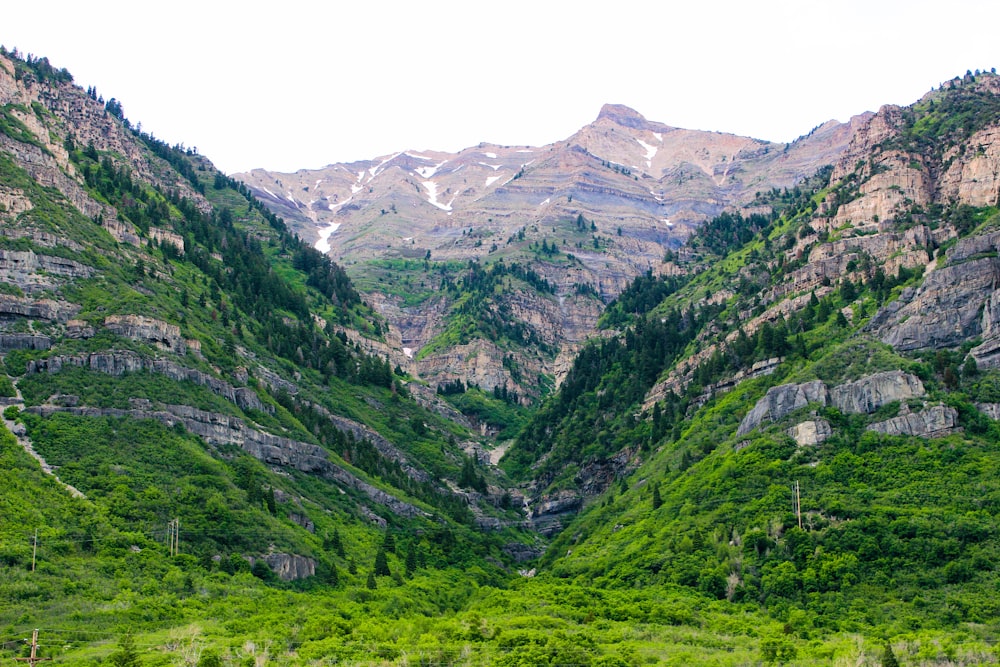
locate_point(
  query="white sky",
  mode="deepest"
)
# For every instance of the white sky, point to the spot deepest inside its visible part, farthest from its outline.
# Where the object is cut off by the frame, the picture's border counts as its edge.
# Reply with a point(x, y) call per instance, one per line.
point(304, 84)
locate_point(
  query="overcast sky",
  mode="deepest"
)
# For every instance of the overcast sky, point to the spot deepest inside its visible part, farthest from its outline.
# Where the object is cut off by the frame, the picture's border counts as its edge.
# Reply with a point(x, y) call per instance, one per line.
point(305, 84)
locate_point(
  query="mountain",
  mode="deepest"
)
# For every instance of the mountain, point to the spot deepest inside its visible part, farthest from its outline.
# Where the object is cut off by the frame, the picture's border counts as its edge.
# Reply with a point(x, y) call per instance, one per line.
point(195, 379)
point(586, 214)
point(777, 448)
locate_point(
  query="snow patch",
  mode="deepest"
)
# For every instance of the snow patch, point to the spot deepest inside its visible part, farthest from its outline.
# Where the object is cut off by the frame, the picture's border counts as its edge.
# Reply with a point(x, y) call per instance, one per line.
point(494, 167)
point(650, 152)
point(271, 193)
point(318, 181)
point(492, 156)
point(323, 244)
point(547, 201)
point(659, 137)
point(432, 196)
point(490, 180)
point(334, 207)
point(428, 172)
point(526, 150)
point(418, 157)
point(408, 351)
point(667, 222)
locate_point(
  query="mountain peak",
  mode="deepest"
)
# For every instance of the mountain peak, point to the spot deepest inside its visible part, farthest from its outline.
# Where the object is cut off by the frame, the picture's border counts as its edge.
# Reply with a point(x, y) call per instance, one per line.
point(622, 115)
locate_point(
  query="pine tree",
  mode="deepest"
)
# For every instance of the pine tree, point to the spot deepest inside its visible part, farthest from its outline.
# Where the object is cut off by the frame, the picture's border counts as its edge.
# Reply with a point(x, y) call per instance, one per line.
point(126, 655)
point(657, 501)
point(411, 560)
point(381, 564)
point(888, 657)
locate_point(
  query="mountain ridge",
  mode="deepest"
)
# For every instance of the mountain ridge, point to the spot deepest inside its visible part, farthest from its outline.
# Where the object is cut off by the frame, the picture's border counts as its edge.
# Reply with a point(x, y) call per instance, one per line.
point(605, 202)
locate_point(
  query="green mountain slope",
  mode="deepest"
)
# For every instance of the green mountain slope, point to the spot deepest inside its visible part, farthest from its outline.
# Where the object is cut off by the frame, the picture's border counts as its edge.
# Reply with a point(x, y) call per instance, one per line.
point(783, 452)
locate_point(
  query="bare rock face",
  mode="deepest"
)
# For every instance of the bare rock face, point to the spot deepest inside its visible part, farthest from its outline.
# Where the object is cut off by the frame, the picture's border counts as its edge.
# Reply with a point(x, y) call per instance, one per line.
point(973, 176)
point(991, 410)
point(37, 309)
point(552, 512)
point(32, 272)
point(811, 432)
point(10, 342)
point(862, 396)
point(782, 400)
point(868, 394)
point(116, 362)
point(290, 567)
point(148, 330)
point(952, 304)
point(934, 422)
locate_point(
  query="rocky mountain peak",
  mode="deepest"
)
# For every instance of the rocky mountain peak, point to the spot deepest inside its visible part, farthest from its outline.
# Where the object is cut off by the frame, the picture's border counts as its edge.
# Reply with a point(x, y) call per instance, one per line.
point(623, 115)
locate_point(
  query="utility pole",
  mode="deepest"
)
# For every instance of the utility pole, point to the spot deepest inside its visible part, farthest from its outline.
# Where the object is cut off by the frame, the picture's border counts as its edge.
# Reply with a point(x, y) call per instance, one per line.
point(34, 550)
point(797, 503)
point(174, 536)
point(34, 651)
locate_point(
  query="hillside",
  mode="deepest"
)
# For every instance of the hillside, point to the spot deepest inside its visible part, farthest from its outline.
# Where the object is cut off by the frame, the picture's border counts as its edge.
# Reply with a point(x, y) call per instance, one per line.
point(775, 447)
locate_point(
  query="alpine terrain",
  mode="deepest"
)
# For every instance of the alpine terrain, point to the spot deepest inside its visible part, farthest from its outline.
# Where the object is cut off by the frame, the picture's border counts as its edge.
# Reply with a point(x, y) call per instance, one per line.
point(642, 396)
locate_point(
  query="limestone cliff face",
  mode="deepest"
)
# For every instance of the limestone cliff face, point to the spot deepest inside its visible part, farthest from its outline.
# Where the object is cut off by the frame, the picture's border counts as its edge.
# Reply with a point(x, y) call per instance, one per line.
point(863, 396)
point(954, 303)
point(84, 121)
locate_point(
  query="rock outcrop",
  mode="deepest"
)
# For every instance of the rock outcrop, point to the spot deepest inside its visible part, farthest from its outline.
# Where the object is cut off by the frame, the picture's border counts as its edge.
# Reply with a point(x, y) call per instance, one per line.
point(10, 342)
point(934, 422)
point(116, 362)
point(862, 396)
point(948, 308)
point(811, 432)
point(783, 400)
point(290, 567)
point(551, 513)
point(868, 394)
point(148, 330)
point(33, 272)
point(219, 429)
point(37, 309)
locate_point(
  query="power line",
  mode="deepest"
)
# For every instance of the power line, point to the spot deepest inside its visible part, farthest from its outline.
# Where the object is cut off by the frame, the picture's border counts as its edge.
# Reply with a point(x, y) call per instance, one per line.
point(34, 651)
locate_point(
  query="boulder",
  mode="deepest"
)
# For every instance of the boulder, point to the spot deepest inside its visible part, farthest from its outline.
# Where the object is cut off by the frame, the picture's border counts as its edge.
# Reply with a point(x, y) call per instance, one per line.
point(812, 432)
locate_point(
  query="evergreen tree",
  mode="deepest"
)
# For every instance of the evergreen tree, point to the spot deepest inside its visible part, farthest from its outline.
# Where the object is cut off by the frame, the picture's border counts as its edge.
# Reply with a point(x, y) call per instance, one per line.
point(381, 564)
point(333, 543)
point(411, 560)
point(888, 657)
point(127, 655)
point(657, 501)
